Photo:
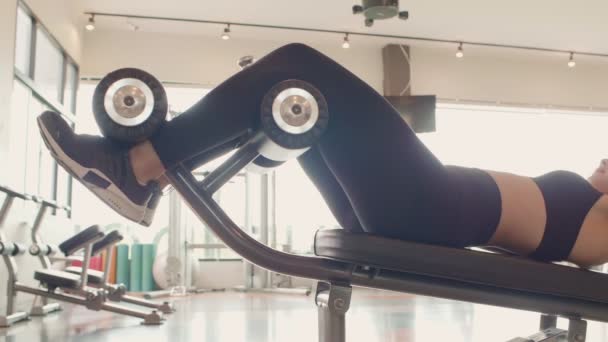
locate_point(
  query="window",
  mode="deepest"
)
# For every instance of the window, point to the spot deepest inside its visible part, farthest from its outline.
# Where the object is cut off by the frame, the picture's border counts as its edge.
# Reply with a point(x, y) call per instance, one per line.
point(45, 77)
point(48, 70)
point(23, 42)
point(70, 87)
point(528, 142)
point(300, 209)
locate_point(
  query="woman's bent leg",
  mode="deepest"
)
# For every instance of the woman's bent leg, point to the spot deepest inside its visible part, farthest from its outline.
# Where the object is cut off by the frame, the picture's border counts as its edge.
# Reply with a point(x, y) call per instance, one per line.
point(330, 189)
point(395, 185)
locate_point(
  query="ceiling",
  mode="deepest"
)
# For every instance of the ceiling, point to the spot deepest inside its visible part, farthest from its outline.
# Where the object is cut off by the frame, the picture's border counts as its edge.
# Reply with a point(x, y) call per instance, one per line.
point(555, 24)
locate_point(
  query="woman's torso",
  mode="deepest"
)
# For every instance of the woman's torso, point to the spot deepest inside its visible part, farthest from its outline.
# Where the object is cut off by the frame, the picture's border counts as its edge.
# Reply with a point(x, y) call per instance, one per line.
point(560, 201)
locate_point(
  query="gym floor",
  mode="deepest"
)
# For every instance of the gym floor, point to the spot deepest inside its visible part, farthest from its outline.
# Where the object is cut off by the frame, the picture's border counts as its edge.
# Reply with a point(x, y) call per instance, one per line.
point(230, 316)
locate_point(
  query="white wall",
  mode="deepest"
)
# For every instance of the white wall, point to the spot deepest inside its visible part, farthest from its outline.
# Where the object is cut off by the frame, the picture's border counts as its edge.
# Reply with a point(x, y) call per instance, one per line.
point(62, 19)
point(8, 11)
point(200, 59)
point(485, 74)
point(510, 76)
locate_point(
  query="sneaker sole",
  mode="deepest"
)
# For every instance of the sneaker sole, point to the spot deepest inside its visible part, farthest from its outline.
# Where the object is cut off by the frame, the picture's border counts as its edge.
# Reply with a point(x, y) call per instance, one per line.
point(110, 194)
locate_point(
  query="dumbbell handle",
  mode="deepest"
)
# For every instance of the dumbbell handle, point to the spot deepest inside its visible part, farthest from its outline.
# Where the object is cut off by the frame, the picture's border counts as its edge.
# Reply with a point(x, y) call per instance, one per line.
point(43, 249)
point(12, 248)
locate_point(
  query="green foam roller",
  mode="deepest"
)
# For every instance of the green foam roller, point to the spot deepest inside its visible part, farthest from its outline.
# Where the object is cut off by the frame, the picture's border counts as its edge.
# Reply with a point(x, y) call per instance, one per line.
point(147, 278)
point(122, 265)
point(136, 263)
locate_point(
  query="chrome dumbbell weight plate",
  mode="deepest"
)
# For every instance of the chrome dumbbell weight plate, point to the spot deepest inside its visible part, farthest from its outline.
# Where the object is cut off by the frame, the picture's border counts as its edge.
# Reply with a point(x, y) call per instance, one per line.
point(294, 115)
point(129, 105)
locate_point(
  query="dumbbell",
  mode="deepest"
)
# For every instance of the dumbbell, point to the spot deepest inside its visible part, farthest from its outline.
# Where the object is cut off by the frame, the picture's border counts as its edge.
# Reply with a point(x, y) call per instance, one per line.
point(294, 115)
point(129, 105)
point(44, 250)
point(12, 248)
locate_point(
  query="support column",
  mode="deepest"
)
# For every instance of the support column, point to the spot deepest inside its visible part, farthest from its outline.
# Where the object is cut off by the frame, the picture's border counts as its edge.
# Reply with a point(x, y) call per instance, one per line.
point(417, 111)
point(8, 22)
point(577, 330)
point(333, 301)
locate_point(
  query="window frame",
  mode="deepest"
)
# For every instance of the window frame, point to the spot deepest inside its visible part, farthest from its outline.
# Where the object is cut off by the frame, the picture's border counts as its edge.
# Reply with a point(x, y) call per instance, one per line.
point(58, 105)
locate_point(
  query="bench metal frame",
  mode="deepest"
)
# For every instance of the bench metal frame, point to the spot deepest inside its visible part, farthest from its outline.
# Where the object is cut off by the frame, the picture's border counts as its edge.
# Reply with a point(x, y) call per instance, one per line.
point(11, 316)
point(118, 292)
point(43, 307)
point(95, 299)
point(336, 277)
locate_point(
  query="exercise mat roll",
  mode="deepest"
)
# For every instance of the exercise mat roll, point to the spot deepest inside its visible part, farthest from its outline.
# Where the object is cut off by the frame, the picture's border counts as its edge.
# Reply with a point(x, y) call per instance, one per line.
point(122, 265)
point(147, 278)
point(112, 275)
point(136, 259)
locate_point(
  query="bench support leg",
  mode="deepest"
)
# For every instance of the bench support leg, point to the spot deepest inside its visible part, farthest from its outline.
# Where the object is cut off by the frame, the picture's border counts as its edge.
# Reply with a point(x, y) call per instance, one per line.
point(548, 321)
point(333, 301)
point(577, 330)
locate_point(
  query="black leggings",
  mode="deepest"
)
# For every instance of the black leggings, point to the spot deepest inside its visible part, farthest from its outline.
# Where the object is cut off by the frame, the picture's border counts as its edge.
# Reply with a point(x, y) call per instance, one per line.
point(371, 169)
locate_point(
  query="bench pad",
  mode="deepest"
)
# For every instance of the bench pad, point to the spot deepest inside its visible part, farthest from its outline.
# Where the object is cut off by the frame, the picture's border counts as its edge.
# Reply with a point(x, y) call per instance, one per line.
point(476, 267)
point(93, 276)
point(55, 278)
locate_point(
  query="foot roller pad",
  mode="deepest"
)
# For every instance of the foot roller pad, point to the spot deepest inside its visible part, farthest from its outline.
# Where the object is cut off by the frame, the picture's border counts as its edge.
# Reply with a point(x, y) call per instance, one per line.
point(93, 276)
point(54, 278)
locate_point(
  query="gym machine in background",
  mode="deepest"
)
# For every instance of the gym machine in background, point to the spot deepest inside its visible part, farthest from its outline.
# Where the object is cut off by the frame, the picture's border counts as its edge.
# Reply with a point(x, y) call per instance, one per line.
point(74, 288)
point(43, 251)
point(114, 292)
point(61, 285)
point(10, 250)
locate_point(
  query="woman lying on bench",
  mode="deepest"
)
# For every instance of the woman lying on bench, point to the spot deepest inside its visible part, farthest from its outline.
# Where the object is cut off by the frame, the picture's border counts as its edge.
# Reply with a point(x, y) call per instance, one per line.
point(371, 169)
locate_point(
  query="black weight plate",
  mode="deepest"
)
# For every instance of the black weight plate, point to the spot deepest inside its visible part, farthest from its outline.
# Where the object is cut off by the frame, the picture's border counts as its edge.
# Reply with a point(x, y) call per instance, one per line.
point(289, 140)
point(130, 134)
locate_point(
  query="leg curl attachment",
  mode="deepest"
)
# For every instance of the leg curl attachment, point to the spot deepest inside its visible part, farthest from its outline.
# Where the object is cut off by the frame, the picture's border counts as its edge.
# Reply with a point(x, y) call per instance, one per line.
point(129, 105)
point(294, 115)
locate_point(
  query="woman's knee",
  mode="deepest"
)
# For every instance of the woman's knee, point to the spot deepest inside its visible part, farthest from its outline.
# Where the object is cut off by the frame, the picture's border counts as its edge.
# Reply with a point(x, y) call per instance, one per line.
point(297, 50)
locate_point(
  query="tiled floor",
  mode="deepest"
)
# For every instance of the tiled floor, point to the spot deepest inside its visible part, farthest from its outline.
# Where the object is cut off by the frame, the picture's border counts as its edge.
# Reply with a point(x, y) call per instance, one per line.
point(374, 317)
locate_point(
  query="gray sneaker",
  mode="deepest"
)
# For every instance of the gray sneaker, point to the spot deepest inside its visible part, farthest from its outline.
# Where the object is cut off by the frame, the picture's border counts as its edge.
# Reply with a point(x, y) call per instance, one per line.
point(99, 164)
point(151, 208)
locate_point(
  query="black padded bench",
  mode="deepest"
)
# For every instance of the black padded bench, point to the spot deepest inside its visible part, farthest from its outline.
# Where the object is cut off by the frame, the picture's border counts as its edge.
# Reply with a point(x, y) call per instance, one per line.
point(475, 267)
point(77, 241)
point(54, 278)
point(94, 277)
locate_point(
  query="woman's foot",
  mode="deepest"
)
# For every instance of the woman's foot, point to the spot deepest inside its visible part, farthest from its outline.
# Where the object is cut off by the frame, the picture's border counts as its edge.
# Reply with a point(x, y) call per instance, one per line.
point(151, 208)
point(100, 165)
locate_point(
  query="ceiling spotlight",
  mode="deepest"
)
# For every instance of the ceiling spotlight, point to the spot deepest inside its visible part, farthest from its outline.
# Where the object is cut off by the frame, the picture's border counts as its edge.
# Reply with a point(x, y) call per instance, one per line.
point(346, 43)
point(571, 62)
point(90, 26)
point(132, 26)
point(459, 52)
point(226, 34)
